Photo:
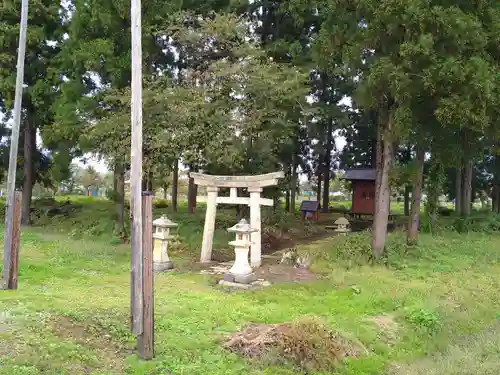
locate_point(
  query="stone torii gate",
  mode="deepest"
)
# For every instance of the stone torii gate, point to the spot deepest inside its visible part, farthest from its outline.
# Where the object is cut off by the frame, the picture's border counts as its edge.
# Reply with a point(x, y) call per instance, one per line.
point(254, 184)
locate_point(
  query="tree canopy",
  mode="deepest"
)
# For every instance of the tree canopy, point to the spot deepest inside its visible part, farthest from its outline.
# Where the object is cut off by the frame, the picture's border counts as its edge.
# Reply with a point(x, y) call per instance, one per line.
point(244, 87)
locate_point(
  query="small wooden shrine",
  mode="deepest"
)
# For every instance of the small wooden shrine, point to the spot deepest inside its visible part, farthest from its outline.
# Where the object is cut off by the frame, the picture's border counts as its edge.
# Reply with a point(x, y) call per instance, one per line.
point(363, 190)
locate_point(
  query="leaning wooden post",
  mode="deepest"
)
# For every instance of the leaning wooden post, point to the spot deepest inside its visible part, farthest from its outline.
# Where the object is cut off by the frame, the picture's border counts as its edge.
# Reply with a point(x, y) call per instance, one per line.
point(16, 237)
point(136, 173)
point(7, 272)
point(145, 341)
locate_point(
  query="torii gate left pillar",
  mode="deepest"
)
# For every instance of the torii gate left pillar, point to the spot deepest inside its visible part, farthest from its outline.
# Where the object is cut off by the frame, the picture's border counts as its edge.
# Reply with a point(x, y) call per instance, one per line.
point(255, 185)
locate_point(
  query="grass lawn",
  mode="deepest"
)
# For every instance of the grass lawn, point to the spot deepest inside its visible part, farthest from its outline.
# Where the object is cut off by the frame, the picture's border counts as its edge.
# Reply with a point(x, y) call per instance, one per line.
point(71, 312)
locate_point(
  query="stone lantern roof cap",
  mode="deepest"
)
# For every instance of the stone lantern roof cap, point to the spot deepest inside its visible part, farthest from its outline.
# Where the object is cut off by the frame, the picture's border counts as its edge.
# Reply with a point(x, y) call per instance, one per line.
point(342, 221)
point(242, 227)
point(164, 222)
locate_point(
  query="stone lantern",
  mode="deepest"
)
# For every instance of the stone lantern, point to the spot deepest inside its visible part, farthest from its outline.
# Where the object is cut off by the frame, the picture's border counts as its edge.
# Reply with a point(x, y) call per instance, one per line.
point(342, 226)
point(162, 227)
point(241, 272)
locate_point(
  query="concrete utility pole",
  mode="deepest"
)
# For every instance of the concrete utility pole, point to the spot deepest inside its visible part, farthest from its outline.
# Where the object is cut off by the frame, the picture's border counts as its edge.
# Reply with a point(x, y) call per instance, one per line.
point(12, 226)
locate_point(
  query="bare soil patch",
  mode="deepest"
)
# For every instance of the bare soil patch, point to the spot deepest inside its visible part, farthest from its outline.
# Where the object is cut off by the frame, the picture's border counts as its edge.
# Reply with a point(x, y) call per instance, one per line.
point(387, 325)
point(111, 352)
point(305, 343)
point(274, 240)
point(284, 273)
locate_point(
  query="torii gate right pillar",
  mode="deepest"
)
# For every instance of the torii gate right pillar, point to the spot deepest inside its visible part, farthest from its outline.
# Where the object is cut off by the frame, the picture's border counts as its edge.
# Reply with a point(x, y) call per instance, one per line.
point(255, 223)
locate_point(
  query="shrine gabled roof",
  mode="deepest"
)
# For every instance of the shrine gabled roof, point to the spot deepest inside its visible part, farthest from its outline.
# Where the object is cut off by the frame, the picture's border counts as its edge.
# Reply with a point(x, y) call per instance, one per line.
point(367, 174)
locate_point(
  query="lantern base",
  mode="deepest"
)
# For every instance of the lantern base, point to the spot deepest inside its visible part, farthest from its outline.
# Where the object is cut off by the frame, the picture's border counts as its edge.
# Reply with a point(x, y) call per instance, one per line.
point(162, 267)
point(240, 279)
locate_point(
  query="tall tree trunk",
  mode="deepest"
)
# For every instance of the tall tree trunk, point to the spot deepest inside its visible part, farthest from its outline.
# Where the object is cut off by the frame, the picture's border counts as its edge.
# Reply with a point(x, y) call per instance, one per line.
point(119, 184)
point(407, 200)
point(495, 199)
point(412, 234)
point(373, 159)
point(434, 189)
point(287, 200)
point(115, 182)
point(467, 189)
point(288, 176)
point(327, 166)
point(175, 185)
point(191, 193)
point(293, 187)
point(144, 182)
point(382, 189)
point(29, 151)
point(239, 212)
point(147, 181)
point(319, 175)
point(165, 187)
point(150, 182)
point(458, 191)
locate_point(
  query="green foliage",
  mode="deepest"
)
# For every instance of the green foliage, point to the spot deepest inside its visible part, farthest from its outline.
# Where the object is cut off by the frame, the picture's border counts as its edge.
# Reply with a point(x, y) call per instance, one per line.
point(279, 220)
point(424, 319)
point(251, 87)
point(160, 203)
point(489, 223)
point(341, 209)
point(337, 198)
point(79, 217)
point(88, 178)
point(43, 78)
point(434, 186)
point(444, 211)
point(351, 251)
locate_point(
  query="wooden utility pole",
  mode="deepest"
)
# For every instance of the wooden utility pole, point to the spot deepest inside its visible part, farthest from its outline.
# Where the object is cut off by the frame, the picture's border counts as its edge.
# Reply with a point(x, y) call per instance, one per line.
point(12, 277)
point(141, 209)
point(10, 222)
point(136, 171)
point(145, 341)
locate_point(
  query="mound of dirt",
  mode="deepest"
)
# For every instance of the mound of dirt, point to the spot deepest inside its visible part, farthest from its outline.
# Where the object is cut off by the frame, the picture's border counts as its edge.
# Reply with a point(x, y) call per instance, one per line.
point(305, 343)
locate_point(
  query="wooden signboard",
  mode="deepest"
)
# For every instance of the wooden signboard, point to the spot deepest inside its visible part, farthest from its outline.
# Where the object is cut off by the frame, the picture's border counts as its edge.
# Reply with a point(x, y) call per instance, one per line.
point(310, 210)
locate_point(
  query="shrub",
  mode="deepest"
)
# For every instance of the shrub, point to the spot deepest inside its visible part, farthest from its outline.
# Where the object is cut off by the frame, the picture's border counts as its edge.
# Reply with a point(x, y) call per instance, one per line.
point(424, 319)
point(226, 219)
point(160, 203)
point(350, 251)
point(445, 211)
point(355, 250)
point(337, 198)
point(485, 223)
point(338, 209)
point(280, 220)
point(426, 225)
point(112, 195)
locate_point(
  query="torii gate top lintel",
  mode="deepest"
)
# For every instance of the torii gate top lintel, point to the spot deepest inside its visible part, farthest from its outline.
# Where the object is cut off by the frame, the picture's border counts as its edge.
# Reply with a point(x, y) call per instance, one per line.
point(255, 181)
